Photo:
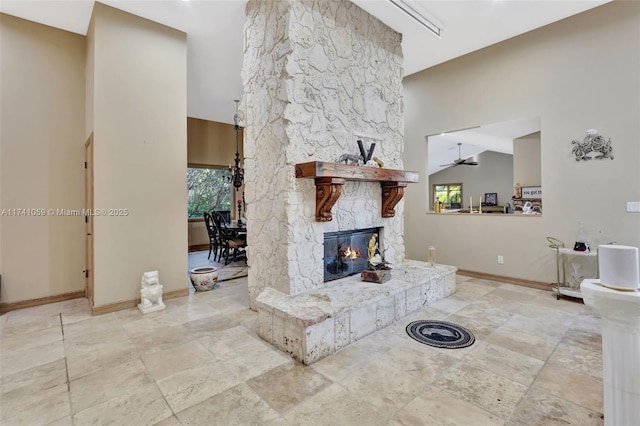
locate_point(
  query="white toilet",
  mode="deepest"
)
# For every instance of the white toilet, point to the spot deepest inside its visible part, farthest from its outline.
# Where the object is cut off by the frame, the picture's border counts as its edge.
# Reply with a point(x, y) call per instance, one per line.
point(616, 299)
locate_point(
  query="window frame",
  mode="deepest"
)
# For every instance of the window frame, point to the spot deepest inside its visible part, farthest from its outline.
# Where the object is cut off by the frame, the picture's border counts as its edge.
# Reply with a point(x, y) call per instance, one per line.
point(448, 185)
point(232, 192)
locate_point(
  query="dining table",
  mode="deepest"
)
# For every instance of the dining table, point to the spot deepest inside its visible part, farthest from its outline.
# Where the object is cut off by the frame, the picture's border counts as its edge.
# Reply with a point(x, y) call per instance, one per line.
point(238, 229)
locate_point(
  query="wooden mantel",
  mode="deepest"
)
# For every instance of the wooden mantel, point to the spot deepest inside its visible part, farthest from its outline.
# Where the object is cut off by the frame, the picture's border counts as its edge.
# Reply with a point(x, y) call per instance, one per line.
point(329, 178)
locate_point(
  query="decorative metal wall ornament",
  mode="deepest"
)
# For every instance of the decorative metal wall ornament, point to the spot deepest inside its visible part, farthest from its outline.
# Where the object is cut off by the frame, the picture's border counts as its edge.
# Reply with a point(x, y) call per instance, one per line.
point(237, 172)
point(593, 142)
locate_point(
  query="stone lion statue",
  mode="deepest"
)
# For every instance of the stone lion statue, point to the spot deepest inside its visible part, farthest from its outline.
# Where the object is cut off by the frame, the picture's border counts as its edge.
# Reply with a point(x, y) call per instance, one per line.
point(150, 290)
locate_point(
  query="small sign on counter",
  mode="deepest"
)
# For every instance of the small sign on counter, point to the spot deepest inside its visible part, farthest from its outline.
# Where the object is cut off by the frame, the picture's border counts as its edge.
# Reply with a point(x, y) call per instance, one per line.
point(530, 192)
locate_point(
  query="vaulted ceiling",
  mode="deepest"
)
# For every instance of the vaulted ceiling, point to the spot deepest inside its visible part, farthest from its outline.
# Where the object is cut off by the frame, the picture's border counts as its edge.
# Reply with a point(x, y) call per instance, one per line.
point(215, 31)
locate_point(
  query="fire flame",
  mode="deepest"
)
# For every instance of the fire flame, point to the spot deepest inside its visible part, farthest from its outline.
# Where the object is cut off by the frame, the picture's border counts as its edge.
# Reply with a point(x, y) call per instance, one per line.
point(352, 254)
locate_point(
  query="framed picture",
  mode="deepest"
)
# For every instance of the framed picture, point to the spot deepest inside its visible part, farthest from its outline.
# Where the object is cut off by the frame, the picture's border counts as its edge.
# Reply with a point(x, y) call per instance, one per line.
point(491, 199)
point(531, 192)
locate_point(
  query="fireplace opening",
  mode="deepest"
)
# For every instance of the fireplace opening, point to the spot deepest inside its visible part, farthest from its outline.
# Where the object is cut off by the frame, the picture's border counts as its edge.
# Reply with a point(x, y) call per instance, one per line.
point(345, 252)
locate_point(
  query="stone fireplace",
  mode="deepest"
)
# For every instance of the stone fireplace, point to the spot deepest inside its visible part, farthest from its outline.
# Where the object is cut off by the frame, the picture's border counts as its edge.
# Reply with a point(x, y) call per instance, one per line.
point(346, 252)
point(319, 75)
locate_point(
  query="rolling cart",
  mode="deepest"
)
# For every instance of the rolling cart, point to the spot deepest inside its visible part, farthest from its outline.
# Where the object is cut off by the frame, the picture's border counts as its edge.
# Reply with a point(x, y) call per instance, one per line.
point(580, 265)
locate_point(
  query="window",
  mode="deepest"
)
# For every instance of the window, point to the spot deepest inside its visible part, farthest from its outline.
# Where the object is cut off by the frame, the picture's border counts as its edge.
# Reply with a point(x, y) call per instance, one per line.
point(208, 189)
point(450, 194)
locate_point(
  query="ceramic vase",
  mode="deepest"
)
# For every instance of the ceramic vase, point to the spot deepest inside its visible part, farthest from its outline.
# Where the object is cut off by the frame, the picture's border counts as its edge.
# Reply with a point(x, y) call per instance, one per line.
point(204, 278)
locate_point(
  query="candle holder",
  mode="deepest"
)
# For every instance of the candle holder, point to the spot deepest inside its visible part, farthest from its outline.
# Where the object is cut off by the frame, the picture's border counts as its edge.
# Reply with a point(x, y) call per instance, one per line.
point(239, 212)
point(432, 256)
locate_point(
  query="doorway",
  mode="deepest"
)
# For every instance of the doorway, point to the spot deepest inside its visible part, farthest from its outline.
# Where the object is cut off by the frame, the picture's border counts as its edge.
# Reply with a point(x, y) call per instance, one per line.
point(88, 218)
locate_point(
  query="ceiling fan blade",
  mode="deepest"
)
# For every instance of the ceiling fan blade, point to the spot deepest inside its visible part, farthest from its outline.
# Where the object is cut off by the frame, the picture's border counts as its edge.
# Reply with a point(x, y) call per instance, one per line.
point(460, 160)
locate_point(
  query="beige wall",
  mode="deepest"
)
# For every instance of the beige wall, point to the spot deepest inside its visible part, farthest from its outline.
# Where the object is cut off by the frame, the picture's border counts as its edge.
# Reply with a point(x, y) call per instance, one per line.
point(90, 82)
point(140, 154)
point(526, 160)
point(42, 147)
point(197, 233)
point(213, 144)
point(494, 173)
point(578, 74)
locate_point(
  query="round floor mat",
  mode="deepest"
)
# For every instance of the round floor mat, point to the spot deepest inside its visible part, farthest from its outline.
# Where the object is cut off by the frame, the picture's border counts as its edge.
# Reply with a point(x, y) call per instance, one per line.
point(440, 334)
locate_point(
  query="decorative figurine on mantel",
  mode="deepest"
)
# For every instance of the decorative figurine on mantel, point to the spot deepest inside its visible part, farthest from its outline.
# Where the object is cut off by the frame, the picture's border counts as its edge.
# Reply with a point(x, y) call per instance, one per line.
point(150, 293)
point(352, 159)
point(378, 270)
point(365, 158)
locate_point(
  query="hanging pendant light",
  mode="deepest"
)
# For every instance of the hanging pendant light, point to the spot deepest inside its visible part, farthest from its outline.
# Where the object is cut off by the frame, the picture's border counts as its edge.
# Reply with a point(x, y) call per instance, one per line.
point(237, 172)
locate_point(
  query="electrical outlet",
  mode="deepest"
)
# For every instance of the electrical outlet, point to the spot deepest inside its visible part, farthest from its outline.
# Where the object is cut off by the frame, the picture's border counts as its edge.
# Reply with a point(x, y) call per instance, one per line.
point(633, 206)
point(500, 260)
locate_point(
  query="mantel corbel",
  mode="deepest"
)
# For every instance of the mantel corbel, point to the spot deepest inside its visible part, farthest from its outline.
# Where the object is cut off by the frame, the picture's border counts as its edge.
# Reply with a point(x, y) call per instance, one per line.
point(328, 190)
point(392, 193)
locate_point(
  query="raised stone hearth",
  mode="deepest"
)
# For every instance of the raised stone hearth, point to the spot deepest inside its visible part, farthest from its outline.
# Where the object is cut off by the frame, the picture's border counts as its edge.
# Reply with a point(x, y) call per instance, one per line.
point(314, 324)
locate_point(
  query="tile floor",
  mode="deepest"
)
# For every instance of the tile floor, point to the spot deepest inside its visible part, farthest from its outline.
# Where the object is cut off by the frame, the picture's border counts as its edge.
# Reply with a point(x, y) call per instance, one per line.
point(536, 361)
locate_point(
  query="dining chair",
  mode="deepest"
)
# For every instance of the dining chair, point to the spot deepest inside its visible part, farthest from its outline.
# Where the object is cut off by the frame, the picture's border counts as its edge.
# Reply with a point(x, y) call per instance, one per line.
point(229, 242)
point(226, 214)
point(214, 237)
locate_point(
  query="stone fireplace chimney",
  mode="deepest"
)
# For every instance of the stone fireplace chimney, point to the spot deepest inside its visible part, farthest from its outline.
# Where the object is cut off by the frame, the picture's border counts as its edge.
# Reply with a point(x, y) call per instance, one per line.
point(318, 76)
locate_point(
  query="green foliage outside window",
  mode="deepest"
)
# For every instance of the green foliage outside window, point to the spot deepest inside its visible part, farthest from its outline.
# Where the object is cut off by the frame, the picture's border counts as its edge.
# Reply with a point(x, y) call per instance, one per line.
point(207, 190)
point(450, 194)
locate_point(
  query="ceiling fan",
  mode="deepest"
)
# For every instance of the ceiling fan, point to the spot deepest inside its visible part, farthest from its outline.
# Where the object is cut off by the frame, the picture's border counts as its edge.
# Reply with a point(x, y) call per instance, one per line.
point(460, 161)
